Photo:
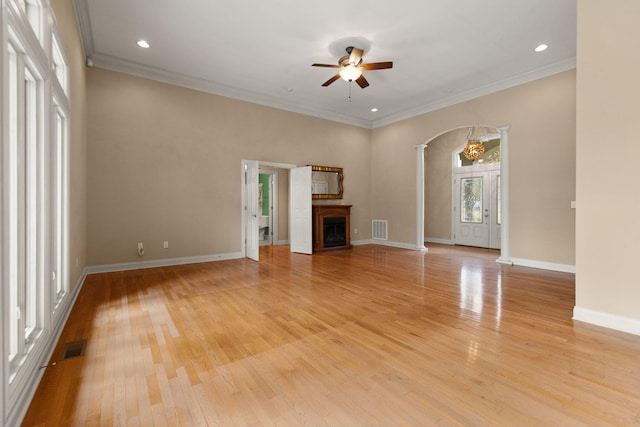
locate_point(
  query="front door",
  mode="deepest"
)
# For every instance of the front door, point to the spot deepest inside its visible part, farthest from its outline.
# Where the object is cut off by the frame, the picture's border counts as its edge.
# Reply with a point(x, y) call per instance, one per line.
point(476, 212)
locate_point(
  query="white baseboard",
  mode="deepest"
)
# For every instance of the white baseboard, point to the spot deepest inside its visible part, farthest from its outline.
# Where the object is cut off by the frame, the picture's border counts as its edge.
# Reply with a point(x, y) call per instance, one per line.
point(361, 242)
point(281, 242)
point(564, 268)
point(440, 241)
point(16, 414)
point(398, 245)
point(106, 268)
point(388, 243)
point(607, 320)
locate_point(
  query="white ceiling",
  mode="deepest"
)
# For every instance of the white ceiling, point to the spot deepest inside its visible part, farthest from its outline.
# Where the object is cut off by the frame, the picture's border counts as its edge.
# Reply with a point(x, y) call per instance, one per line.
point(443, 51)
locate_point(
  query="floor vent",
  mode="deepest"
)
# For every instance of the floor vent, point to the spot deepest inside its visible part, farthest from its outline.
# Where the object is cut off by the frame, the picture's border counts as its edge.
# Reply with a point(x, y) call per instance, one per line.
point(379, 229)
point(73, 349)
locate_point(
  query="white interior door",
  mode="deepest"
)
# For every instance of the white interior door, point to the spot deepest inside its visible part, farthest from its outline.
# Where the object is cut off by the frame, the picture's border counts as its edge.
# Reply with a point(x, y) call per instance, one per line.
point(476, 212)
point(300, 233)
point(252, 211)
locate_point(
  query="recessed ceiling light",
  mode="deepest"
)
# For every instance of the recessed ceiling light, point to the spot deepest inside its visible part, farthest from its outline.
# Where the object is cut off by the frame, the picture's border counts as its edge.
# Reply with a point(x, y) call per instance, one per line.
point(541, 48)
point(374, 110)
point(143, 43)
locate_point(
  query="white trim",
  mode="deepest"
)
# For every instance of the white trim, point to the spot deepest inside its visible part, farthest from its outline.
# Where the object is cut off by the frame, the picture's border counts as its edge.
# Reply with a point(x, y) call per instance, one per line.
point(400, 245)
point(106, 268)
point(543, 265)
point(505, 261)
point(549, 70)
point(420, 172)
point(203, 85)
point(19, 410)
point(119, 65)
point(362, 242)
point(607, 320)
point(439, 241)
point(505, 227)
point(81, 10)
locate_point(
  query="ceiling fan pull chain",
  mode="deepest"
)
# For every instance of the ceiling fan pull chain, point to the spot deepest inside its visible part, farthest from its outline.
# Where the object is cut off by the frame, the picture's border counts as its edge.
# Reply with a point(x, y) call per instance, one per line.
point(349, 90)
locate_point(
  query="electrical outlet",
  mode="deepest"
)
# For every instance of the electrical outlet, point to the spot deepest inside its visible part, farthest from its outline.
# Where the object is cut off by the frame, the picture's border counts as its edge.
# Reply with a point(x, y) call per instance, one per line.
point(165, 244)
point(140, 246)
point(355, 231)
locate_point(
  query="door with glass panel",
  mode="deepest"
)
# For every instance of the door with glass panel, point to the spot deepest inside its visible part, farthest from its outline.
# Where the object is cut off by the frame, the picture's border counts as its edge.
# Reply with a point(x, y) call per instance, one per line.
point(476, 211)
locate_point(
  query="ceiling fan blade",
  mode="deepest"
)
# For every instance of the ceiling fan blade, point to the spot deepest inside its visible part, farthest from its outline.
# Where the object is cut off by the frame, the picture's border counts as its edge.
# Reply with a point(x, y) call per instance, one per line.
point(355, 56)
point(325, 65)
point(377, 66)
point(331, 80)
point(362, 82)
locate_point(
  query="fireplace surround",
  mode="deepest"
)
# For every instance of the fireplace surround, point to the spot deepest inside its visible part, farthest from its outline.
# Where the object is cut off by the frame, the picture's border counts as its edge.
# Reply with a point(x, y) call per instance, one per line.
point(331, 227)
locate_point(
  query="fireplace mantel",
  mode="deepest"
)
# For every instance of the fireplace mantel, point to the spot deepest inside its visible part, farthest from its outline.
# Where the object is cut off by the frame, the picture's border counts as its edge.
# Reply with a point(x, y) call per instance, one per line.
point(332, 214)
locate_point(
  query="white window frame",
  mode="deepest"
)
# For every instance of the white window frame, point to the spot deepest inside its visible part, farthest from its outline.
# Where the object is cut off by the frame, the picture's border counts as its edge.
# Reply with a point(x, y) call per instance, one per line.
point(34, 150)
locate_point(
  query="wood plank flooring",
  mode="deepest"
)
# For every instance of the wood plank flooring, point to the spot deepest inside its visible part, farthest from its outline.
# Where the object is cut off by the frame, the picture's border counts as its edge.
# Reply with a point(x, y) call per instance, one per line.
point(369, 336)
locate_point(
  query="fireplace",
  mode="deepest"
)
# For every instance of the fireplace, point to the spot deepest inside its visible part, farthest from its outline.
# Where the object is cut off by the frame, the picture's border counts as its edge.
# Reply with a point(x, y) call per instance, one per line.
point(331, 227)
point(334, 229)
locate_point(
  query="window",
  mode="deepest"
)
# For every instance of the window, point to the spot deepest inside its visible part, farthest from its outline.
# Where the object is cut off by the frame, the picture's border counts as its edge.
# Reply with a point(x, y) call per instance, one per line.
point(471, 200)
point(60, 68)
point(25, 187)
point(33, 179)
point(59, 279)
point(34, 15)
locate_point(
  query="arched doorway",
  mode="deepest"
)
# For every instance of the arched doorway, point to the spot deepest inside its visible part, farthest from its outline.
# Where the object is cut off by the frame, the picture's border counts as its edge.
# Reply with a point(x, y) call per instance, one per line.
point(504, 190)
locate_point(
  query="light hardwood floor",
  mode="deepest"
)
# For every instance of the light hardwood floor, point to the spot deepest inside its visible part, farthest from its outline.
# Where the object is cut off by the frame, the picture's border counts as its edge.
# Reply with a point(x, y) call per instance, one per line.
point(368, 336)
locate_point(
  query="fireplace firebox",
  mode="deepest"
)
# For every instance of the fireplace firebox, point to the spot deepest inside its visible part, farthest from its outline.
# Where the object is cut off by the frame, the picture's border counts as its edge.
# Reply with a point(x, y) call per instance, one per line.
point(334, 231)
point(331, 227)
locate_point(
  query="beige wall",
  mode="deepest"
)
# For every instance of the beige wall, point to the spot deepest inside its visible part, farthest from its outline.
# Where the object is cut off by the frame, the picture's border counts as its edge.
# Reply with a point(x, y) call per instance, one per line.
point(164, 163)
point(66, 20)
point(438, 170)
point(542, 164)
point(607, 240)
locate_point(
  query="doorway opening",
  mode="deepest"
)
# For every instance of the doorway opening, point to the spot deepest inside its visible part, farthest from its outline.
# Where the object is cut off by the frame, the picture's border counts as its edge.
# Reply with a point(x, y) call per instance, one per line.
point(475, 216)
point(476, 203)
point(265, 205)
point(437, 215)
point(268, 206)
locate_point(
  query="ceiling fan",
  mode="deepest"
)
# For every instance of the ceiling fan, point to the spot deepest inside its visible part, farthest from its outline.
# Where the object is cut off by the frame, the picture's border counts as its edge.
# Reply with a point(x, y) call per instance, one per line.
point(351, 67)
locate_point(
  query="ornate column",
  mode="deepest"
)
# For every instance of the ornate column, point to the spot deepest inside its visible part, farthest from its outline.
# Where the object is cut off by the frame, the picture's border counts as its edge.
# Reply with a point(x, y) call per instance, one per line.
point(504, 193)
point(420, 197)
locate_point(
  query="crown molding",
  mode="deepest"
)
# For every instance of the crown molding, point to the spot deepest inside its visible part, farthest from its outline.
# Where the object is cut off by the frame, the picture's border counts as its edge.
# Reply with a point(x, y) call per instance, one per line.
point(510, 82)
point(94, 58)
point(84, 27)
point(203, 85)
point(116, 64)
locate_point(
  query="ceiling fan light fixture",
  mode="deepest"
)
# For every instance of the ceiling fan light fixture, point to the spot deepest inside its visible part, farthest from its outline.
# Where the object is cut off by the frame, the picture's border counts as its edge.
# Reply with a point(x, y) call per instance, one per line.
point(350, 72)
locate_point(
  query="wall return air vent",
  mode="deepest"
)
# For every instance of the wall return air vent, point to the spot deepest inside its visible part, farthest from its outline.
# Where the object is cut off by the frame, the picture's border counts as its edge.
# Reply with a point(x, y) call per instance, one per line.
point(379, 229)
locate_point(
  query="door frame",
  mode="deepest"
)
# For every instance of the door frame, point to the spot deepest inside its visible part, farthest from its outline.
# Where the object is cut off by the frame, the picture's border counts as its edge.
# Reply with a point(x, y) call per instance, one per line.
point(243, 198)
point(457, 173)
